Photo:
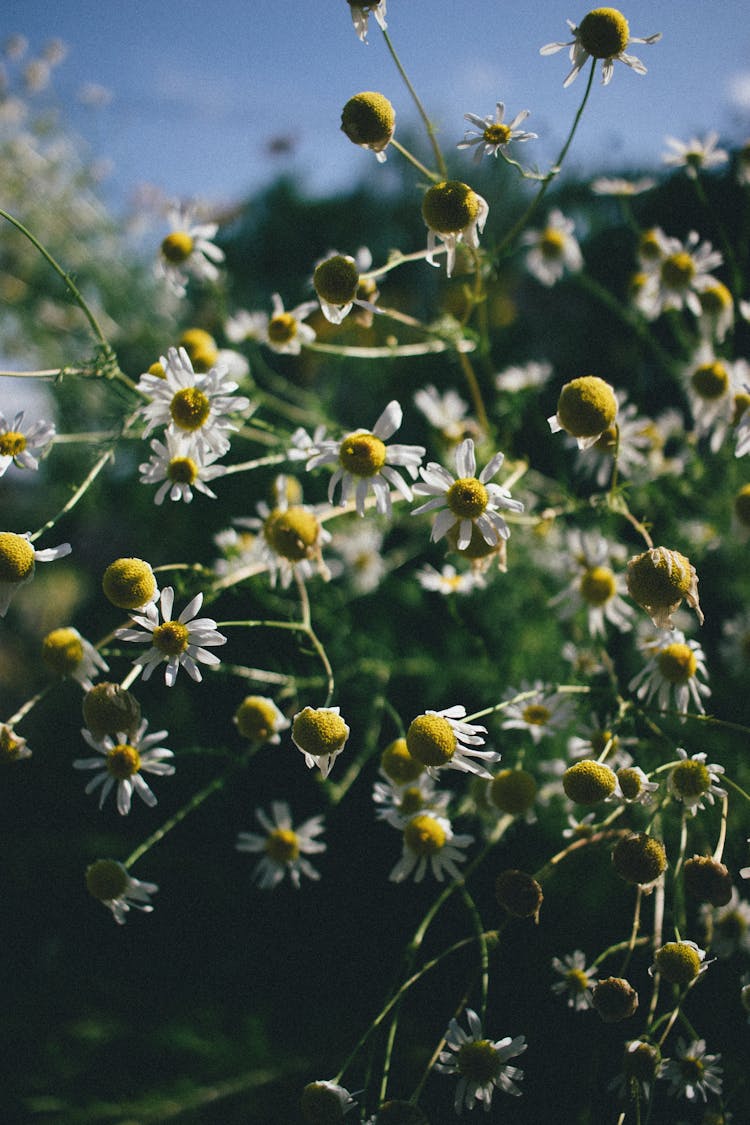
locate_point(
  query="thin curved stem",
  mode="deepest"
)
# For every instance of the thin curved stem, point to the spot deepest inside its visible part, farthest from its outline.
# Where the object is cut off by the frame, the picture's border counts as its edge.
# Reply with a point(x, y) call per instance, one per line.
point(439, 160)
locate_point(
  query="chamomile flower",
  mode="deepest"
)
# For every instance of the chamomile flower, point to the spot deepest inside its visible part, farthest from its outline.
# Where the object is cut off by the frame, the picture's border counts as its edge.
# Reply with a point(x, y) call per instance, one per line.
point(23, 445)
point(622, 188)
point(692, 781)
point(369, 120)
point(443, 739)
point(112, 884)
point(13, 748)
point(179, 642)
point(586, 410)
point(284, 847)
point(178, 468)
point(695, 155)
point(528, 376)
point(397, 804)
point(122, 761)
point(629, 440)
point(18, 559)
point(365, 463)
point(324, 1102)
point(540, 712)
point(552, 250)
point(259, 720)
point(730, 926)
point(446, 413)
point(454, 213)
point(429, 841)
point(197, 405)
point(283, 332)
point(634, 786)
point(675, 668)
point(467, 501)
point(577, 981)
point(712, 385)
point(361, 13)
point(187, 251)
point(676, 274)
point(481, 1065)
point(494, 133)
point(290, 540)
point(67, 653)
point(449, 581)
point(595, 586)
point(360, 555)
point(337, 280)
point(693, 1073)
point(320, 733)
point(717, 310)
point(603, 34)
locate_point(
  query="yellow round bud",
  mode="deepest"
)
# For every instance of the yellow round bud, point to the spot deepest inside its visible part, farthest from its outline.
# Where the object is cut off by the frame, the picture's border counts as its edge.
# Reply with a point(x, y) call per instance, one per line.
point(292, 533)
point(513, 791)
point(450, 207)
point(319, 731)
point(589, 782)
point(679, 962)
point(110, 709)
point(177, 247)
point(62, 651)
point(615, 999)
point(201, 348)
point(336, 280)
point(604, 33)
point(639, 859)
point(659, 579)
point(369, 119)
point(129, 583)
point(16, 557)
point(398, 765)
point(256, 718)
point(431, 740)
point(587, 406)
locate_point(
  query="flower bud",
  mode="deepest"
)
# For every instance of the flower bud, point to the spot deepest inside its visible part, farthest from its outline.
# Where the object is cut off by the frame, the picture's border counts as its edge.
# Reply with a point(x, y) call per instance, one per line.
point(110, 709)
point(368, 119)
point(707, 880)
point(513, 791)
point(639, 859)
point(615, 999)
point(129, 583)
point(519, 893)
point(398, 765)
point(658, 580)
point(589, 782)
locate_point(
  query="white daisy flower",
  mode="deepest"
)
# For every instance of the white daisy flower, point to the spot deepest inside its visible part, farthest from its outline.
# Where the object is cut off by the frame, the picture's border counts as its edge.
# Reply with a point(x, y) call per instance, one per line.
point(494, 134)
point(454, 213)
point(320, 733)
point(183, 641)
point(325, 1101)
point(445, 412)
point(729, 926)
point(542, 713)
point(360, 551)
point(695, 155)
point(625, 189)
point(362, 11)
point(429, 840)
point(674, 668)
point(630, 439)
point(13, 748)
point(284, 847)
point(481, 1065)
point(521, 378)
point(466, 501)
point(676, 274)
point(449, 581)
point(187, 251)
point(602, 34)
point(634, 787)
point(595, 586)
point(23, 445)
point(178, 467)
point(553, 250)
point(121, 763)
point(397, 804)
point(195, 404)
point(283, 332)
point(712, 386)
point(112, 884)
point(577, 981)
point(365, 463)
point(692, 781)
point(443, 739)
point(692, 1073)
point(18, 560)
point(289, 541)
point(67, 653)
point(717, 311)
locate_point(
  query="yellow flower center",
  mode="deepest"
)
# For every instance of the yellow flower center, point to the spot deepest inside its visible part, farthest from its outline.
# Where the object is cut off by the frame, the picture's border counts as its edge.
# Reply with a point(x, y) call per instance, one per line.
point(587, 406)
point(597, 585)
point(659, 577)
point(649, 246)
point(691, 778)
point(536, 714)
point(157, 370)
point(282, 328)
point(678, 962)
point(497, 134)
point(478, 1061)
point(630, 782)
point(16, 557)
point(678, 271)
point(177, 247)
point(201, 347)
point(319, 732)
point(431, 740)
point(677, 663)
point(106, 879)
point(691, 1069)
point(171, 638)
point(450, 207)
point(424, 835)
point(9, 746)
point(600, 739)
point(715, 299)
point(336, 280)
point(411, 800)
point(710, 380)
point(123, 761)
point(552, 244)
point(190, 408)
point(182, 470)
point(363, 455)
point(368, 119)
point(589, 782)
point(129, 583)
point(62, 651)
point(256, 718)
point(292, 534)
point(577, 980)
point(397, 763)
point(12, 442)
point(604, 33)
point(282, 845)
point(467, 498)
point(513, 791)
point(741, 404)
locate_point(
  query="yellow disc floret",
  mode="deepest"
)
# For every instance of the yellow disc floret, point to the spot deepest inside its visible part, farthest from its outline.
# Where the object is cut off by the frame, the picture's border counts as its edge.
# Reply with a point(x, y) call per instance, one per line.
point(679, 962)
point(589, 782)
point(710, 380)
point(690, 779)
point(177, 247)
point(604, 33)
point(362, 454)
point(478, 1061)
point(201, 347)
point(450, 207)
point(319, 732)
point(62, 651)
point(551, 244)
point(12, 442)
point(424, 835)
point(182, 470)
point(678, 271)
point(282, 328)
point(189, 409)
point(398, 765)
point(106, 879)
point(639, 859)
point(171, 638)
point(123, 760)
point(129, 583)
point(16, 557)
point(513, 791)
point(292, 533)
point(431, 740)
point(659, 579)
point(282, 845)
point(467, 498)
point(497, 134)
point(368, 119)
point(677, 663)
point(256, 718)
point(587, 406)
point(336, 280)
point(597, 585)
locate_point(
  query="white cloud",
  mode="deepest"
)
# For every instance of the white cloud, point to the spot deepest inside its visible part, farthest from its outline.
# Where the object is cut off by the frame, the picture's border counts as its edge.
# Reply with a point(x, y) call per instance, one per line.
point(738, 90)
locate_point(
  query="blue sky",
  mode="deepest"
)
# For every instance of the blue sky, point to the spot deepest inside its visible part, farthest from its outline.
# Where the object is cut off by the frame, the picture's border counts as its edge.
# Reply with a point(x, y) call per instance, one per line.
point(200, 89)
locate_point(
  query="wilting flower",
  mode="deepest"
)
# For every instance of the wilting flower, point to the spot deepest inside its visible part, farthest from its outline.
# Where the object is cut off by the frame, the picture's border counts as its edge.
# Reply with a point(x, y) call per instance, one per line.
point(360, 13)
point(602, 34)
point(443, 739)
point(112, 884)
point(67, 653)
point(18, 560)
point(454, 213)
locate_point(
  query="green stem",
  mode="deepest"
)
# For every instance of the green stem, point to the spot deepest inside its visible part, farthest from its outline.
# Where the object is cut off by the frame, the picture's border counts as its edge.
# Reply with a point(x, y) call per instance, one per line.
point(413, 160)
point(420, 108)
